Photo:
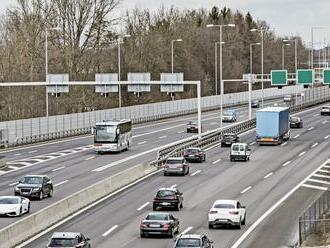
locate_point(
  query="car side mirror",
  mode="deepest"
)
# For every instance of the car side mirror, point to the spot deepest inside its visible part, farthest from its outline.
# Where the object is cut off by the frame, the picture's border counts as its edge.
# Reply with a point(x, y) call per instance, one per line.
point(88, 239)
point(211, 242)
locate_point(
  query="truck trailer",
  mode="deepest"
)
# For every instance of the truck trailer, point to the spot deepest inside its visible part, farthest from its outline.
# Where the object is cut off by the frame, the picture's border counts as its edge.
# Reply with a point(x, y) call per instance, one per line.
point(272, 125)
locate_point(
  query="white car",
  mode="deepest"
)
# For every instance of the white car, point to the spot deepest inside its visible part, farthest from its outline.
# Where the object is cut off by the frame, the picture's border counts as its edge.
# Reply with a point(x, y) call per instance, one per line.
point(227, 212)
point(325, 110)
point(14, 205)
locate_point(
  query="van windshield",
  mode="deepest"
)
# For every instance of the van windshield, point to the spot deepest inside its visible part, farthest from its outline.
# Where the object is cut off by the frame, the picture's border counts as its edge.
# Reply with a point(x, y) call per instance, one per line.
point(236, 148)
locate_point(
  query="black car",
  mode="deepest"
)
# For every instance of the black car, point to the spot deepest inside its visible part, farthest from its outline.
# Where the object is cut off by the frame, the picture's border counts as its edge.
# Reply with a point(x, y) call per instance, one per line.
point(194, 154)
point(296, 122)
point(168, 198)
point(228, 139)
point(255, 104)
point(193, 240)
point(159, 224)
point(35, 186)
point(192, 127)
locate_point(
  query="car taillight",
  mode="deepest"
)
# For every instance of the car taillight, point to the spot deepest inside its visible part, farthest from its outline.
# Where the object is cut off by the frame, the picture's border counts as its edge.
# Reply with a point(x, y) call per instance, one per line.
point(213, 212)
point(234, 212)
point(97, 144)
point(143, 225)
point(166, 226)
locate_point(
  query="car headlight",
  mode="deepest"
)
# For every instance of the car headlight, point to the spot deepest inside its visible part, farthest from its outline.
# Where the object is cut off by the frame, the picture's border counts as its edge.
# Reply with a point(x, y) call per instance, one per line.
point(16, 188)
point(36, 189)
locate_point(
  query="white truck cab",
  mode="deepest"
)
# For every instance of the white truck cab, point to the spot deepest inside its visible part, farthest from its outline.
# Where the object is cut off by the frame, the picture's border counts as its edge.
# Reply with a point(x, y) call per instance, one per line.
point(240, 151)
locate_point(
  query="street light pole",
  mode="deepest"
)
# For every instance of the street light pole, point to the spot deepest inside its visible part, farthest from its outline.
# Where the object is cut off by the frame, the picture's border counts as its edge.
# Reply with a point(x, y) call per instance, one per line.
point(172, 52)
point(251, 72)
point(295, 61)
point(283, 45)
point(216, 67)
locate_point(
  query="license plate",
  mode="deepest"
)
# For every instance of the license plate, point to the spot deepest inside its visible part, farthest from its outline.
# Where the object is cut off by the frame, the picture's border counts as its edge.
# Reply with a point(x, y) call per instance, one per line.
point(191, 156)
point(228, 143)
point(152, 225)
point(165, 203)
point(222, 220)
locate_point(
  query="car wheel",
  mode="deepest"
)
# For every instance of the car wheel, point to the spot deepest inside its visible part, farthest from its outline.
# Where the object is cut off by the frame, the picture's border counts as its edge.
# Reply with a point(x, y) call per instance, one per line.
point(28, 209)
point(239, 225)
point(231, 159)
point(154, 207)
point(211, 226)
point(142, 235)
point(51, 193)
point(20, 211)
point(177, 207)
point(181, 205)
point(204, 158)
point(244, 221)
point(171, 235)
point(41, 195)
point(165, 174)
point(187, 171)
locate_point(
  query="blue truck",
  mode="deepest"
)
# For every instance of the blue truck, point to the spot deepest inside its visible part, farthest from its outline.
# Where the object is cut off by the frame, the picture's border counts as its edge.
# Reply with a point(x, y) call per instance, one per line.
point(272, 125)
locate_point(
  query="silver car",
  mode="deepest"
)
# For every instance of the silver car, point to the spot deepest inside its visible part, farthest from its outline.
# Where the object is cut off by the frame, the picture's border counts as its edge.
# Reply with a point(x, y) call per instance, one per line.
point(193, 240)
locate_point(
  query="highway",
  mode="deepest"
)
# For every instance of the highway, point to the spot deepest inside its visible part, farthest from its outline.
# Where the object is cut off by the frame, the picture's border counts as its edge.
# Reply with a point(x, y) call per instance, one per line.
point(73, 165)
point(259, 184)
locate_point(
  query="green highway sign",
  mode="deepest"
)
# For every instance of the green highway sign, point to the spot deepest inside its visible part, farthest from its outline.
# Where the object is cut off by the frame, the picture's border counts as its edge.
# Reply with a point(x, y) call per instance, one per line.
point(279, 77)
point(305, 77)
point(326, 76)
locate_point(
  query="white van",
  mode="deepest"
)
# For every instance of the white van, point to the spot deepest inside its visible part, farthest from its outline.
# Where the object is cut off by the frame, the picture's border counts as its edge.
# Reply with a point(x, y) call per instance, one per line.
point(240, 151)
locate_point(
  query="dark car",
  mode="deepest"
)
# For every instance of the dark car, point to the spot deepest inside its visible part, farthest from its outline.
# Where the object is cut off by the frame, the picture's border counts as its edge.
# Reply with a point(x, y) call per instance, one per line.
point(35, 186)
point(177, 166)
point(193, 240)
point(194, 154)
point(192, 127)
point(255, 104)
point(68, 239)
point(159, 224)
point(228, 139)
point(296, 122)
point(168, 198)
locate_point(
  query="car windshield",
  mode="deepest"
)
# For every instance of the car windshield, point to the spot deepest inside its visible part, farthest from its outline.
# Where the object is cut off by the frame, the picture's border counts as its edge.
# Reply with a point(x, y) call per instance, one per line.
point(192, 123)
point(236, 148)
point(31, 180)
point(294, 119)
point(106, 133)
point(230, 113)
point(228, 136)
point(9, 201)
point(192, 150)
point(174, 161)
point(325, 108)
point(188, 242)
point(224, 205)
point(157, 217)
point(165, 193)
point(61, 242)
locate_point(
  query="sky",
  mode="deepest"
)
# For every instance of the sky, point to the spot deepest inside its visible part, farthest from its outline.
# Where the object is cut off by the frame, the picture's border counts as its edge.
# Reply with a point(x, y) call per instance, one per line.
point(287, 17)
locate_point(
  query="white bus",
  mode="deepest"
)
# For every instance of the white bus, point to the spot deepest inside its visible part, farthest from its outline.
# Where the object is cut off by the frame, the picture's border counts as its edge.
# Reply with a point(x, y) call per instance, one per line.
point(112, 136)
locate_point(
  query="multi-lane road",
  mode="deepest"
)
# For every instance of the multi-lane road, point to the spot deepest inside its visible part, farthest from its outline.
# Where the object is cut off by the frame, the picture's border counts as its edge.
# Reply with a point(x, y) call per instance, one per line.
point(262, 185)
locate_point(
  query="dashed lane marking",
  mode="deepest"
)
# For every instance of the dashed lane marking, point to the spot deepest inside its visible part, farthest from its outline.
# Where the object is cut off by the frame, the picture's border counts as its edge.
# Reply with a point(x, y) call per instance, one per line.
point(246, 189)
point(110, 231)
point(143, 206)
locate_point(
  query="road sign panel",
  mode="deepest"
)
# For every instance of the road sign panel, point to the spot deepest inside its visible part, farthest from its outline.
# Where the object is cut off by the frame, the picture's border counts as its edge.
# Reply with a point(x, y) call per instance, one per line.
point(326, 76)
point(138, 77)
point(305, 77)
point(279, 77)
point(57, 83)
point(103, 79)
point(171, 77)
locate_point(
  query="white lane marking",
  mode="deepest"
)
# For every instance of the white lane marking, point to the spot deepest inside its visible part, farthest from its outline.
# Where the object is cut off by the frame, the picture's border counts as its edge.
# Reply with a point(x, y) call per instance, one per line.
point(211, 147)
point(284, 143)
point(17, 154)
point(268, 175)
point(316, 115)
point(324, 122)
point(60, 168)
point(143, 206)
point(327, 137)
point(89, 158)
point(110, 231)
point(13, 167)
point(301, 154)
point(269, 211)
point(318, 181)
point(321, 176)
point(311, 128)
point(173, 186)
point(13, 184)
point(142, 142)
point(163, 137)
point(214, 123)
point(180, 132)
point(315, 145)
point(252, 143)
point(314, 187)
point(216, 161)
point(34, 151)
point(286, 163)
point(187, 230)
point(60, 183)
point(22, 163)
point(246, 189)
point(327, 166)
point(296, 136)
point(195, 173)
point(324, 171)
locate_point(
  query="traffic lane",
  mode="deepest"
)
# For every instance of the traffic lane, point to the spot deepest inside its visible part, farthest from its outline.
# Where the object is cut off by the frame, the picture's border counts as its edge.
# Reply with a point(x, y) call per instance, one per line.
point(282, 227)
point(229, 165)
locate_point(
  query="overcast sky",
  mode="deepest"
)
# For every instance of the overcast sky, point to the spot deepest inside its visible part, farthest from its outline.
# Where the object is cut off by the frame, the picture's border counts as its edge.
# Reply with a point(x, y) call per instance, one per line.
point(287, 17)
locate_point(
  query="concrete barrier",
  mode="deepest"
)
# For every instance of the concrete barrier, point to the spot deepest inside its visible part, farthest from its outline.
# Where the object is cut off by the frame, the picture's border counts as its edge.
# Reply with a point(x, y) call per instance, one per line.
point(21, 230)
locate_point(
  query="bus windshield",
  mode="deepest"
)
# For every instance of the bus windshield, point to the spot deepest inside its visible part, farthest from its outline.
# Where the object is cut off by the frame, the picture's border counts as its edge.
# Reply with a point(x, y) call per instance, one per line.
point(106, 134)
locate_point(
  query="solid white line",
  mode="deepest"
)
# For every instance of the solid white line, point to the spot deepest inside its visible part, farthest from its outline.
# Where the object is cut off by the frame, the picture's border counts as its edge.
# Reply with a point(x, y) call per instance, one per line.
point(311, 128)
point(60, 168)
point(26, 164)
point(314, 187)
point(284, 143)
point(17, 154)
point(269, 211)
point(163, 137)
point(246, 190)
point(58, 184)
point(143, 206)
point(252, 143)
point(301, 154)
point(141, 143)
point(34, 151)
point(321, 176)
point(173, 186)
point(110, 230)
point(13, 167)
point(90, 158)
point(268, 175)
point(180, 132)
point(195, 173)
point(187, 230)
point(286, 163)
point(327, 137)
point(216, 161)
point(315, 145)
point(327, 166)
point(13, 184)
point(296, 136)
point(324, 171)
point(318, 181)
point(316, 115)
